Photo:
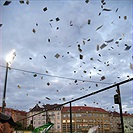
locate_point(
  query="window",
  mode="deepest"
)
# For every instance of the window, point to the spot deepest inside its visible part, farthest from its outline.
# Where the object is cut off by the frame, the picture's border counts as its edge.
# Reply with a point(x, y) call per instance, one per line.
point(95, 114)
point(84, 114)
point(84, 120)
point(90, 114)
point(78, 115)
point(90, 120)
point(79, 120)
point(58, 127)
point(64, 115)
point(43, 122)
point(101, 115)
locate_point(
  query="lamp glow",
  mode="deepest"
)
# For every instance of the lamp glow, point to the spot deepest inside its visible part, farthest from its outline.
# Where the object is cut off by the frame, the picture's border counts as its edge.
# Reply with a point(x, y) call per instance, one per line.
point(10, 57)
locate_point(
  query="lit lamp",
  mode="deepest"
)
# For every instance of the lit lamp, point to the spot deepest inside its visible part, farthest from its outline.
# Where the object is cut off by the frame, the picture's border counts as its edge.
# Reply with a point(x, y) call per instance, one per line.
point(9, 59)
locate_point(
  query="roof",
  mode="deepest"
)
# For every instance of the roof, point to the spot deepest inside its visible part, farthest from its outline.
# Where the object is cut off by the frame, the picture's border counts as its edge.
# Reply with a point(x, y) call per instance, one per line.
point(22, 112)
point(115, 114)
point(52, 107)
point(36, 108)
point(83, 108)
point(127, 115)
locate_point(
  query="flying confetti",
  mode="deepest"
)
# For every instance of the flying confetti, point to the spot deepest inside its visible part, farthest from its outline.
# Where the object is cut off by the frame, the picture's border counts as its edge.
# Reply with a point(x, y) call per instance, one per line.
point(21, 2)
point(6, 3)
point(109, 41)
point(45, 9)
point(48, 98)
point(35, 75)
point(34, 31)
point(57, 55)
point(106, 9)
point(99, 27)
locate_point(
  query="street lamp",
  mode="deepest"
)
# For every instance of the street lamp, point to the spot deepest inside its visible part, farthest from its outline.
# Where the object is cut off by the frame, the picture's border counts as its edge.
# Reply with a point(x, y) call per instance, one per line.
point(9, 59)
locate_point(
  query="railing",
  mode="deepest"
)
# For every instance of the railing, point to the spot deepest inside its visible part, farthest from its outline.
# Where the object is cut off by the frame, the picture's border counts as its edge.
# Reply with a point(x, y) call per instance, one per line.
point(90, 94)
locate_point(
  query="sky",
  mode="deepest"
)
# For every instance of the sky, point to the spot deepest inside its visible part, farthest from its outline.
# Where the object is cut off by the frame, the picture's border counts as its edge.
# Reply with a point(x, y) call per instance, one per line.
point(66, 49)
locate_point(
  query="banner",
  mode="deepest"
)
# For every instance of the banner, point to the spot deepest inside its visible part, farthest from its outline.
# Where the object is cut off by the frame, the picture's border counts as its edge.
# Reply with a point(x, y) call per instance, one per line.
point(43, 129)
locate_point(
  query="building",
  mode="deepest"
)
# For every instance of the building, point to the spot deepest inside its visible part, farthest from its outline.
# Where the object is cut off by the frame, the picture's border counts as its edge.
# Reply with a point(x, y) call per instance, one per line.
point(33, 119)
point(83, 118)
point(128, 122)
point(17, 115)
point(115, 122)
point(54, 115)
point(50, 113)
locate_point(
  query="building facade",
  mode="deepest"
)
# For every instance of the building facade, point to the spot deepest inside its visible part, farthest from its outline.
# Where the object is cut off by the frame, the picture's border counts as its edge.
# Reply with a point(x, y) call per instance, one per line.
point(128, 123)
point(54, 115)
point(50, 113)
point(115, 122)
point(33, 119)
point(83, 118)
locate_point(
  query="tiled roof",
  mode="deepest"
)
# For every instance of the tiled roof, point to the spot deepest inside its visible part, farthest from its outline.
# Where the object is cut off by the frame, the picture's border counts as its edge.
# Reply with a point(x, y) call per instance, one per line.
point(127, 114)
point(115, 114)
point(21, 112)
point(15, 111)
point(36, 108)
point(83, 108)
point(52, 107)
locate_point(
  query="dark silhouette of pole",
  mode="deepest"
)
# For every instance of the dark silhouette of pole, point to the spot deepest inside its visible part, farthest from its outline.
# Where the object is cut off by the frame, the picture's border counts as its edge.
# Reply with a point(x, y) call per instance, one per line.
point(120, 107)
point(4, 93)
point(70, 118)
point(10, 57)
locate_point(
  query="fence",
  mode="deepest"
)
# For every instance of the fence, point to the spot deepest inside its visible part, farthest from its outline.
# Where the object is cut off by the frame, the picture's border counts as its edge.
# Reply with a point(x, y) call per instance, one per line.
point(90, 94)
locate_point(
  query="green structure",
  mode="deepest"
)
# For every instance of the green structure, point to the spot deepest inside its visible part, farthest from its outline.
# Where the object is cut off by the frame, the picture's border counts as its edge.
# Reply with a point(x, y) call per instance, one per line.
point(43, 129)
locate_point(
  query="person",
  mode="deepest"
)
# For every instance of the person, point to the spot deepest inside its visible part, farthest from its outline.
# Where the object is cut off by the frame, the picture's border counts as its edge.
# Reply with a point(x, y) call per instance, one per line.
point(7, 124)
point(1, 127)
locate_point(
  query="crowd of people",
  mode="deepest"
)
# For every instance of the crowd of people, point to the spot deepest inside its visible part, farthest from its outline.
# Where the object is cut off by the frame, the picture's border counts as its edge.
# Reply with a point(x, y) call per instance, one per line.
point(7, 124)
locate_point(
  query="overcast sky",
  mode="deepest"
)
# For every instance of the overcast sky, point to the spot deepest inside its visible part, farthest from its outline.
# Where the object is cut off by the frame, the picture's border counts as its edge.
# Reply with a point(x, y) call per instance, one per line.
point(66, 49)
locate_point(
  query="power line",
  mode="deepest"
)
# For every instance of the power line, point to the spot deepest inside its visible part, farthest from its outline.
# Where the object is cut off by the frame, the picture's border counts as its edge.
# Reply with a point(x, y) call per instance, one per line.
point(61, 77)
point(82, 97)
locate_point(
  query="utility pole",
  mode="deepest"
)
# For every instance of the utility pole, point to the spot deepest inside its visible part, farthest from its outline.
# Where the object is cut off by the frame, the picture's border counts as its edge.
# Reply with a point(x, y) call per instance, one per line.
point(4, 93)
point(9, 59)
point(70, 118)
point(117, 100)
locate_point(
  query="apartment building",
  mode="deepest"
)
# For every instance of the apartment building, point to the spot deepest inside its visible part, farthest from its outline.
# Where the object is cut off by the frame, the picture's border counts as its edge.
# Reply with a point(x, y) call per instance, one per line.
point(128, 122)
point(115, 122)
point(50, 113)
point(83, 118)
point(54, 114)
point(33, 119)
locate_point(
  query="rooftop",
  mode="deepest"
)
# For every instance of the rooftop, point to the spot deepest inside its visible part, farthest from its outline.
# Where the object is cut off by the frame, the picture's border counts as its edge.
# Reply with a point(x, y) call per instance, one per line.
point(83, 108)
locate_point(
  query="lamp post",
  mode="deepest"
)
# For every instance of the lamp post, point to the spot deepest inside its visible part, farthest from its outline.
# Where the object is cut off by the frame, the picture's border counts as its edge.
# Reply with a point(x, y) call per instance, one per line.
point(9, 59)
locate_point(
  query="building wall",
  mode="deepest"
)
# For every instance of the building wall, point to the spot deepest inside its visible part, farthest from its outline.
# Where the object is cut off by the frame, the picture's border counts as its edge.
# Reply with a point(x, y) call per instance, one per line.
point(115, 123)
point(37, 120)
point(82, 121)
point(55, 117)
point(128, 123)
